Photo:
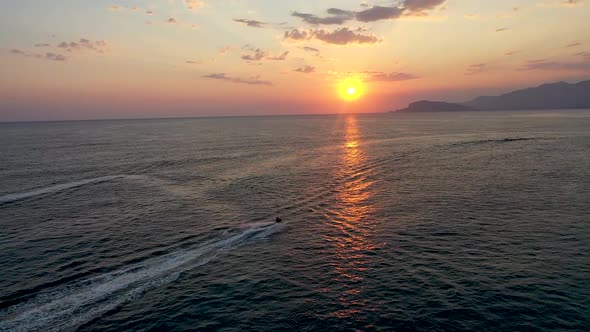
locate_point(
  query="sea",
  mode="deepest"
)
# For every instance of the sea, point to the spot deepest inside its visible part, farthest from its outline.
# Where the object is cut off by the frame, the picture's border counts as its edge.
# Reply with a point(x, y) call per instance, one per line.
point(470, 221)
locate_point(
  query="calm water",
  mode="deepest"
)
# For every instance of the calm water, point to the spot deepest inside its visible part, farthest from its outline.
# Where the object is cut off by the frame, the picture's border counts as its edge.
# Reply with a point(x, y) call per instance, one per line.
point(426, 222)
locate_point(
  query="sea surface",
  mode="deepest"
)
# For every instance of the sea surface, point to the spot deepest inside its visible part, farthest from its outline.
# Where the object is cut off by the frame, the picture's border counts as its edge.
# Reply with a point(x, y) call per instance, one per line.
point(407, 222)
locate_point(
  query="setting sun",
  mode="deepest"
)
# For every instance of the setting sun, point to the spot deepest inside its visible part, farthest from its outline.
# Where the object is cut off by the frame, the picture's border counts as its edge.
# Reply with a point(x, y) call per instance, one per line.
point(351, 89)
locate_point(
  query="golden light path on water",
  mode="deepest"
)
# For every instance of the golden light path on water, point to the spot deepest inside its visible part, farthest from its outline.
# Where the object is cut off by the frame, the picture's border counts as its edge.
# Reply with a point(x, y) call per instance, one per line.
point(352, 221)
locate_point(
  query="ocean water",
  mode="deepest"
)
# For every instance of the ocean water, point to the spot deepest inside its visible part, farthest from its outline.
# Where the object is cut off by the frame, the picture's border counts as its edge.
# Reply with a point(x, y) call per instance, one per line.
point(411, 222)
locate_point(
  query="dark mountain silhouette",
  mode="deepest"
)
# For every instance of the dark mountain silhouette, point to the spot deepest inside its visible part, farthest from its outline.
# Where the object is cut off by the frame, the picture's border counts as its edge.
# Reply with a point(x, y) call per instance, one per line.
point(435, 106)
point(559, 95)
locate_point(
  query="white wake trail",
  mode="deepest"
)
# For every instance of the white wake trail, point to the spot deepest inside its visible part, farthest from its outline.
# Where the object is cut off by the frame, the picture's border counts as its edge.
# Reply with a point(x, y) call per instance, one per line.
point(80, 301)
point(56, 188)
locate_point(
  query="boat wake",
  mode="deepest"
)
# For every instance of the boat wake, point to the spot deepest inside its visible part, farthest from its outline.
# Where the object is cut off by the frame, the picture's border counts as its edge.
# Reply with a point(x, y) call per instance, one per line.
point(9, 198)
point(75, 303)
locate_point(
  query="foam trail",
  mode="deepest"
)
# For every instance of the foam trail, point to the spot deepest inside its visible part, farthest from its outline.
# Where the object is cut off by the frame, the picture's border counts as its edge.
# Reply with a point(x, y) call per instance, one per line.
point(56, 188)
point(80, 301)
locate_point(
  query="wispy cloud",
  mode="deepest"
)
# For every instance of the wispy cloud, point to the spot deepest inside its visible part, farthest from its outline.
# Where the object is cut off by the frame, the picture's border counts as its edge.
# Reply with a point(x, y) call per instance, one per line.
point(389, 77)
point(421, 5)
point(74, 47)
point(340, 36)
point(225, 50)
point(310, 49)
point(476, 69)
point(194, 4)
point(336, 16)
point(544, 64)
point(251, 23)
point(121, 8)
point(251, 81)
point(173, 21)
point(46, 56)
point(55, 57)
point(378, 13)
point(561, 3)
point(99, 46)
point(305, 69)
point(259, 55)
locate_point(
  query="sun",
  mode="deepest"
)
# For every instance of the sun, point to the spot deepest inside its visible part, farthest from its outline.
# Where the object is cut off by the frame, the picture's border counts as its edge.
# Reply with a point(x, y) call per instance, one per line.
point(351, 89)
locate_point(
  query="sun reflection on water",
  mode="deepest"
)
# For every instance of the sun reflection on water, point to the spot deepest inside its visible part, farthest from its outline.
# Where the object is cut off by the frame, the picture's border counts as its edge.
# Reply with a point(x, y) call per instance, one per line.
point(351, 219)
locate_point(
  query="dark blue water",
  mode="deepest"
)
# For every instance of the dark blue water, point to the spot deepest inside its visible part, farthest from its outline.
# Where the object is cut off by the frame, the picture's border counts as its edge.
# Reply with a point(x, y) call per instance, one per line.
point(417, 222)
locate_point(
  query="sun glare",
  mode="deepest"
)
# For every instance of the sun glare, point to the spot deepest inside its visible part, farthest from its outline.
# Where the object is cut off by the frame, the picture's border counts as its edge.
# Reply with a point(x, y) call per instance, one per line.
point(351, 89)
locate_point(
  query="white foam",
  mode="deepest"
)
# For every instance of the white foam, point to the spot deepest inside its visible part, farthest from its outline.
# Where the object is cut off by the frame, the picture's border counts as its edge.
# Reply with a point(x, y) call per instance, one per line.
point(56, 188)
point(80, 301)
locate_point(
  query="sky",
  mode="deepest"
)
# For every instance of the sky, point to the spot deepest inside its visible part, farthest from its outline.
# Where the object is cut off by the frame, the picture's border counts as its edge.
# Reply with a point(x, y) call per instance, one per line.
point(95, 59)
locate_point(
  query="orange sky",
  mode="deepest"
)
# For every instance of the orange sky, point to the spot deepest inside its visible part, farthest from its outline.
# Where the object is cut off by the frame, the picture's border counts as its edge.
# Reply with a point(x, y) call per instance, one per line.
point(160, 58)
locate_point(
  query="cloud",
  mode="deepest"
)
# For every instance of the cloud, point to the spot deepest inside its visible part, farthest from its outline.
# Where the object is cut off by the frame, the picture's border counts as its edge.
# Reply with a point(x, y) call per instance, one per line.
point(310, 49)
point(340, 36)
point(585, 55)
point(371, 14)
point(378, 13)
point(305, 70)
point(82, 45)
point(173, 21)
point(193, 62)
point(251, 81)
point(337, 16)
point(224, 50)
point(545, 64)
point(344, 36)
point(99, 46)
point(119, 8)
point(194, 4)
point(281, 57)
point(502, 29)
point(391, 77)
point(298, 35)
point(251, 23)
point(561, 3)
point(509, 53)
point(571, 3)
point(476, 69)
point(116, 8)
point(573, 45)
point(55, 57)
point(422, 5)
point(47, 56)
point(258, 55)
